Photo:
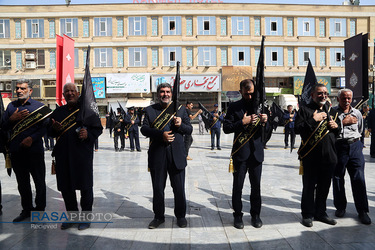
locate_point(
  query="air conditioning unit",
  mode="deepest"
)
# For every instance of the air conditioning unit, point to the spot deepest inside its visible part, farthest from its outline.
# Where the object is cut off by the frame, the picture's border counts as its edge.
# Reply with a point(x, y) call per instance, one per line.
point(8, 86)
point(30, 65)
point(30, 56)
point(52, 82)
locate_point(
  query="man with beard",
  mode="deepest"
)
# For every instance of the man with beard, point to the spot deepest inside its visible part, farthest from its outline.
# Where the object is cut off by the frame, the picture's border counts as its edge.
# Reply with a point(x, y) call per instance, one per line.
point(74, 155)
point(132, 121)
point(316, 123)
point(166, 154)
point(247, 157)
point(24, 119)
point(350, 157)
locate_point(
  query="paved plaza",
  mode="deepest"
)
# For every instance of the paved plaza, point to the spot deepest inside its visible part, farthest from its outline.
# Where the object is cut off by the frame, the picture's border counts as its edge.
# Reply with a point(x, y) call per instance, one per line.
point(122, 187)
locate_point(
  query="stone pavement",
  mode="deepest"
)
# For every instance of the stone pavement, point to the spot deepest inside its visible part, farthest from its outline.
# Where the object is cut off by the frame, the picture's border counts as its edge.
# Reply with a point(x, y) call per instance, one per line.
point(122, 187)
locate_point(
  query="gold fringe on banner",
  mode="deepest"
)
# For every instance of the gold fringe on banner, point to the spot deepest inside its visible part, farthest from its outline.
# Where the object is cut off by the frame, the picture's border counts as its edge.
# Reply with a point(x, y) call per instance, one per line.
point(231, 168)
point(8, 162)
point(300, 168)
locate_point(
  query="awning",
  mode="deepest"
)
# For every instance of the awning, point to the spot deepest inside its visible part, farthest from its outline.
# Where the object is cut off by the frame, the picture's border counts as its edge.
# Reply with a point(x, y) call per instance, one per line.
point(138, 102)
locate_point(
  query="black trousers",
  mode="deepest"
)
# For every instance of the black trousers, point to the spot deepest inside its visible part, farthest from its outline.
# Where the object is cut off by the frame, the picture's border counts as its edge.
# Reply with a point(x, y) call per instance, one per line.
point(177, 178)
point(289, 131)
point(215, 131)
point(25, 164)
point(254, 169)
point(350, 157)
point(118, 135)
point(188, 140)
point(70, 199)
point(134, 136)
point(316, 181)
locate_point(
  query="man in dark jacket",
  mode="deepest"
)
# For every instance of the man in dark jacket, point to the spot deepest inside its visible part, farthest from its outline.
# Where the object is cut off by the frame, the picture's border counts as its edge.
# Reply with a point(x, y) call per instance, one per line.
point(215, 123)
point(289, 118)
point(248, 156)
point(74, 155)
point(166, 154)
point(23, 120)
point(132, 120)
point(119, 131)
point(318, 154)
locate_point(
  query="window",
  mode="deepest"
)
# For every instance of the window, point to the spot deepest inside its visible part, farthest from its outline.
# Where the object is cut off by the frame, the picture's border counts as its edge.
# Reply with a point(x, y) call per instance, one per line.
point(189, 56)
point(120, 57)
point(273, 26)
point(154, 26)
point(120, 26)
point(5, 59)
point(137, 26)
point(103, 57)
point(138, 57)
point(274, 56)
point(306, 56)
point(206, 25)
point(103, 26)
point(206, 56)
point(4, 28)
point(338, 27)
point(171, 55)
point(240, 26)
point(86, 28)
point(171, 25)
point(155, 56)
point(76, 58)
point(338, 57)
point(241, 56)
point(41, 59)
point(35, 28)
point(69, 27)
point(306, 26)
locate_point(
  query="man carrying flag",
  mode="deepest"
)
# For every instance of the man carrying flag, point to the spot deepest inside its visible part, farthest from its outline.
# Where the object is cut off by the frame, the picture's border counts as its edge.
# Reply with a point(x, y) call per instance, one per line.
point(166, 155)
point(76, 126)
point(25, 120)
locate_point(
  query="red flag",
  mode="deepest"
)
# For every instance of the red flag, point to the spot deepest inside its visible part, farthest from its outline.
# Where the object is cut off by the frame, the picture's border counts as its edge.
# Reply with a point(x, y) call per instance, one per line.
point(59, 50)
point(67, 62)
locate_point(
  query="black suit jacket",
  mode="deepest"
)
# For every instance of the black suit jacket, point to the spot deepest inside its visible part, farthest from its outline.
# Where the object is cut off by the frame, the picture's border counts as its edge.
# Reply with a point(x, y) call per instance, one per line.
point(233, 124)
point(156, 151)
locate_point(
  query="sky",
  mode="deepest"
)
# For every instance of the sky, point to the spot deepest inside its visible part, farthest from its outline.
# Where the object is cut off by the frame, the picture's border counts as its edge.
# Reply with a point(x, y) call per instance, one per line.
point(53, 2)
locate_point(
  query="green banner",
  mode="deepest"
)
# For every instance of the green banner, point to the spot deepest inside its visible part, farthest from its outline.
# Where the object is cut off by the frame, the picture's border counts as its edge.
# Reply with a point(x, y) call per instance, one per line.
point(299, 80)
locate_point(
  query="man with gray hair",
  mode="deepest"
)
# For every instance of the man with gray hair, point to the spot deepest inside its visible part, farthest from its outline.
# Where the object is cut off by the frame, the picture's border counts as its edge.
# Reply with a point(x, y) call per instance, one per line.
point(25, 120)
point(350, 157)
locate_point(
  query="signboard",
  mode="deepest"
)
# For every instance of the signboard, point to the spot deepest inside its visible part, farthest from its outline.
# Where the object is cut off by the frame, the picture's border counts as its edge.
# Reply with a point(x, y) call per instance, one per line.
point(6, 94)
point(299, 80)
point(190, 83)
point(98, 84)
point(233, 75)
point(128, 83)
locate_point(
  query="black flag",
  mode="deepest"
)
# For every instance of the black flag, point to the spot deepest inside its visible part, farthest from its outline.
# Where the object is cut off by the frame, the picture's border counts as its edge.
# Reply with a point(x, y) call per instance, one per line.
point(176, 88)
point(88, 114)
point(123, 112)
point(3, 134)
point(310, 81)
point(259, 91)
point(276, 116)
point(206, 116)
point(356, 68)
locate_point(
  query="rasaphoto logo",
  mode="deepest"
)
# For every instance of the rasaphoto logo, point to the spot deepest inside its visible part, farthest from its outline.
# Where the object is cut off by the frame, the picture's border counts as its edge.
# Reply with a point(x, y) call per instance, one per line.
point(70, 216)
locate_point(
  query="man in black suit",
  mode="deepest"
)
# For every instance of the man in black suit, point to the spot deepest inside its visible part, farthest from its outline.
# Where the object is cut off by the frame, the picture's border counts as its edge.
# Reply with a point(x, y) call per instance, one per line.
point(249, 157)
point(132, 120)
point(166, 154)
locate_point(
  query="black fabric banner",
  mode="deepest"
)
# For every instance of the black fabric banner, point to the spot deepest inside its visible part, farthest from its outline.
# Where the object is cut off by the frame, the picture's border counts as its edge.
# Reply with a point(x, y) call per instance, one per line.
point(206, 116)
point(310, 81)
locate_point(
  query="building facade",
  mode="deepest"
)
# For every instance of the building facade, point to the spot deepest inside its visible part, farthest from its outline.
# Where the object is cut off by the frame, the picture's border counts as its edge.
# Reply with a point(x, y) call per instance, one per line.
point(136, 46)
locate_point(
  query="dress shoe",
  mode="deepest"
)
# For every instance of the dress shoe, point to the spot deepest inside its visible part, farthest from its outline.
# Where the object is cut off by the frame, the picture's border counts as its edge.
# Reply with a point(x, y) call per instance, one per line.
point(122, 149)
point(83, 226)
point(238, 223)
point(218, 148)
point(364, 218)
point(139, 150)
point(116, 149)
point(256, 221)
point(307, 222)
point(66, 225)
point(155, 223)
point(188, 158)
point(340, 213)
point(326, 219)
point(181, 222)
point(212, 148)
point(132, 150)
point(22, 216)
point(285, 147)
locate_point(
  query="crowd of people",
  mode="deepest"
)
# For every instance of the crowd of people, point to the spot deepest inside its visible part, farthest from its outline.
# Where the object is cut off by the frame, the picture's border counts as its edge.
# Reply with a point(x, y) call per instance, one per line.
point(331, 145)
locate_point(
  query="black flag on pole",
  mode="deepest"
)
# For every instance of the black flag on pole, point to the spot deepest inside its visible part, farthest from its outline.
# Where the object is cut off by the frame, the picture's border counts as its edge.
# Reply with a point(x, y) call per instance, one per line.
point(123, 112)
point(356, 68)
point(276, 116)
point(206, 116)
point(176, 88)
point(310, 81)
point(259, 91)
point(88, 114)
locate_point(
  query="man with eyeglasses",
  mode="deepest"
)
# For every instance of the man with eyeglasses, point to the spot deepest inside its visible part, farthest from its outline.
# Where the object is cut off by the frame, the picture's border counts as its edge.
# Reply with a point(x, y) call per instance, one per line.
point(318, 127)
